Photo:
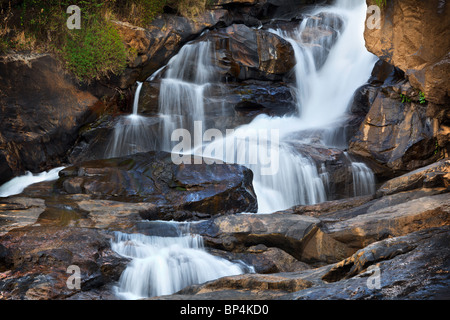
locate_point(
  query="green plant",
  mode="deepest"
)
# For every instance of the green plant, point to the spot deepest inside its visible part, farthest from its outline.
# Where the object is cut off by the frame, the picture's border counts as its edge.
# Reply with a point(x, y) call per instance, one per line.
point(422, 99)
point(405, 98)
point(94, 51)
point(436, 148)
point(380, 3)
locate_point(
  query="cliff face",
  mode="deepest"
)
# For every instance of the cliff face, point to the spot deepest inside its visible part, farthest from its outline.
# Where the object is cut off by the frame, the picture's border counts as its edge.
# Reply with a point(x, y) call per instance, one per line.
point(415, 37)
point(408, 124)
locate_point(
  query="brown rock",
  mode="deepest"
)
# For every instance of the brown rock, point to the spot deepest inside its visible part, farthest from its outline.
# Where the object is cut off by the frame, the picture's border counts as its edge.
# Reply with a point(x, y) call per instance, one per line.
point(415, 37)
point(245, 53)
point(394, 221)
point(42, 254)
point(41, 111)
point(396, 134)
point(433, 176)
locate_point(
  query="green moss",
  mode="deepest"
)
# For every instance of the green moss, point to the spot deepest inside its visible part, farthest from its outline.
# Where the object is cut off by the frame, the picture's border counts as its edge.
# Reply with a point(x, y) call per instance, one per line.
point(94, 51)
point(380, 3)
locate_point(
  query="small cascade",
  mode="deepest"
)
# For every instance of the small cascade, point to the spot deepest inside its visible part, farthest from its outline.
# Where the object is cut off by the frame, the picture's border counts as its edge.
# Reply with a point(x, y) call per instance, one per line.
point(187, 80)
point(325, 176)
point(18, 184)
point(131, 133)
point(363, 179)
point(136, 98)
point(164, 265)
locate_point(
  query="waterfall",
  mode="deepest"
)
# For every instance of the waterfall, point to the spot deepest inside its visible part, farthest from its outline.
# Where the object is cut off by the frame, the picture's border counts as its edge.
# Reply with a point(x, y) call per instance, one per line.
point(189, 76)
point(136, 98)
point(327, 75)
point(131, 133)
point(164, 265)
point(363, 179)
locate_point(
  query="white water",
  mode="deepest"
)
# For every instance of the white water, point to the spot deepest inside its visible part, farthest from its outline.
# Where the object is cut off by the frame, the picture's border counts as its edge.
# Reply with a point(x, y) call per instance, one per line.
point(323, 91)
point(164, 265)
point(131, 133)
point(18, 184)
point(363, 179)
point(189, 76)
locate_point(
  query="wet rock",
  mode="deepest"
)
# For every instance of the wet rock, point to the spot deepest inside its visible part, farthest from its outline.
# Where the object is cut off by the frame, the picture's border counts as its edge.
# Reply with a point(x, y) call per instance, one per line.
point(264, 260)
point(161, 40)
point(398, 220)
point(251, 286)
point(326, 207)
point(178, 191)
point(18, 212)
point(414, 266)
point(238, 232)
point(244, 53)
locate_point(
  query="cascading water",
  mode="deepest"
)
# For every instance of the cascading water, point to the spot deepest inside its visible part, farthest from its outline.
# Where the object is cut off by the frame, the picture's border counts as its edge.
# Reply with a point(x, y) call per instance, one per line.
point(131, 133)
point(363, 179)
point(189, 76)
point(327, 75)
point(164, 265)
point(18, 184)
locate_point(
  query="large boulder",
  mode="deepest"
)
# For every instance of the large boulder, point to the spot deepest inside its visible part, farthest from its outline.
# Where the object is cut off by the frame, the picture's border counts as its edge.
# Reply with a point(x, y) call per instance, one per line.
point(392, 221)
point(238, 232)
point(178, 191)
point(397, 132)
point(245, 53)
point(41, 111)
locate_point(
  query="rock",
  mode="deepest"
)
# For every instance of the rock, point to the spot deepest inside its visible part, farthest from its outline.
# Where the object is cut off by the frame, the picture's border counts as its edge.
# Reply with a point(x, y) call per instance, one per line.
point(178, 191)
point(403, 267)
point(272, 98)
point(414, 266)
point(161, 40)
point(433, 176)
point(42, 255)
point(238, 232)
point(247, 286)
point(396, 134)
point(42, 110)
point(363, 99)
point(18, 212)
point(264, 260)
point(414, 37)
point(394, 221)
point(331, 236)
point(244, 53)
point(323, 208)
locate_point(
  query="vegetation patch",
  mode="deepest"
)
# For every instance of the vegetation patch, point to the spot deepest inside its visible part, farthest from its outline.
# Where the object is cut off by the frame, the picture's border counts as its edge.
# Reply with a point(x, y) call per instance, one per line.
point(92, 52)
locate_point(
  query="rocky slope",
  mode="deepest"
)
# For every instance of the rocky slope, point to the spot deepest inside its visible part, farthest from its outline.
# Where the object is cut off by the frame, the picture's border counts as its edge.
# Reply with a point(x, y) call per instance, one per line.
point(391, 245)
